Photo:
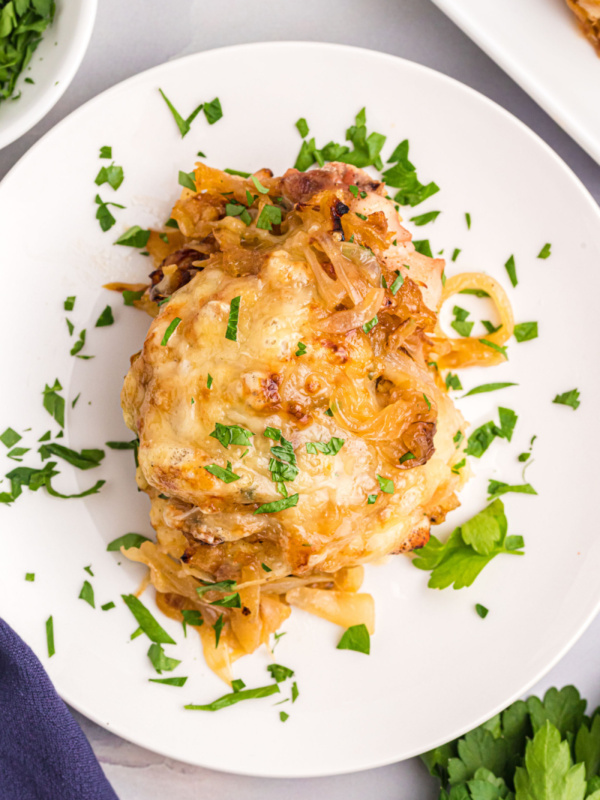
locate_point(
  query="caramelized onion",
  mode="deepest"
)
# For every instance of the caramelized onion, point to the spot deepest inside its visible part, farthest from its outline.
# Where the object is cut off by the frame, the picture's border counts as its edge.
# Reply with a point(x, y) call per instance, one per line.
point(363, 312)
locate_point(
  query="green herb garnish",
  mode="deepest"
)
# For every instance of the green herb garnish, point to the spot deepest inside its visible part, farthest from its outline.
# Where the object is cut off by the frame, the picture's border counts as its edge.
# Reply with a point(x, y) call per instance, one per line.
point(22, 23)
point(356, 638)
point(525, 331)
point(453, 382)
point(280, 673)
point(481, 610)
point(170, 330)
point(146, 621)
point(269, 216)
point(213, 111)
point(302, 126)
point(105, 152)
point(370, 324)
point(568, 399)
point(511, 268)
point(169, 681)
point(424, 219)
point(545, 251)
point(456, 253)
point(231, 434)
point(278, 505)
point(87, 593)
point(330, 448)
point(498, 488)
point(108, 606)
point(494, 346)
point(468, 220)
point(403, 176)
point(236, 697)
point(385, 484)
point(488, 387)
point(134, 237)
point(54, 403)
point(398, 281)
point(224, 474)
point(127, 540)
point(86, 459)
point(183, 124)
point(160, 661)
point(10, 437)
point(187, 180)
point(112, 175)
point(232, 322)
point(422, 246)
point(406, 457)
point(50, 636)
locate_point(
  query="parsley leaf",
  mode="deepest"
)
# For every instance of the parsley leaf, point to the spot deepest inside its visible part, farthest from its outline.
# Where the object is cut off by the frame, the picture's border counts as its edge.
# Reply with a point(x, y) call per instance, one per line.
point(302, 126)
point(385, 484)
point(50, 636)
point(468, 550)
point(160, 661)
point(453, 382)
point(10, 437)
point(103, 215)
point(398, 281)
point(232, 322)
point(54, 403)
point(87, 459)
point(525, 331)
point(106, 318)
point(481, 610)
point(498, 488)
point(278, 505)
point(112, 175)
point(134, 237)
point(187, 180)
point(488, 387)
point(403, 176)
point(213, 111)
point(424, 219)
point(568, 399)
point(269, 216)
point(127, 540)
point(183, 124)
point(422, 246)
point(563, 708)
point(169, 681)
point(146, 621)
point(280, 673)
point(69, 303)
point(356, 638)
point(236, 697)
point(370, 324)
point(231, 434)
point(463, 328)
point(548, 773)
point(105, 152)
point(545, 251)
point(330, 448)
point(87, 593)
point(511, 269)
point(223, 474)
point(301, 351)
point(170, 330)
point(129, 296)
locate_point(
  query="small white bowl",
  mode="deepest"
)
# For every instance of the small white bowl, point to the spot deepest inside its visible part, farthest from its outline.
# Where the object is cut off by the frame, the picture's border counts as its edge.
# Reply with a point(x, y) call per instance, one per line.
point(53, 67)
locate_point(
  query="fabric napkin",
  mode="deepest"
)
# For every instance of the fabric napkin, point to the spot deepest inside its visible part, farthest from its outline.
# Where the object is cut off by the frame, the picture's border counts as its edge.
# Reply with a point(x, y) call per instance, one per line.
point(44, 754)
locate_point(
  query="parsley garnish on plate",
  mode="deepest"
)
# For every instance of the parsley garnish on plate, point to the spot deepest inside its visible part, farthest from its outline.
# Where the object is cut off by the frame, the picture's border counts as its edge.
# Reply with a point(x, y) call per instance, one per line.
point(356, 638)
point(366, 148)
point(525, 331)
point(10, 437)
point(468, 220)
point(106, 318)
point(498, 488)
point(397, 283)
point(105, 152)
point(469, 549)
point(278, 505)
point(169, 681)
point(453, 382)
point(231, 434)
point(301, 351)
point(511, 269)
point(87, 594)
point(403, 176)
point(422, 246)
point(160, 661)
point(69, 303)
point(269, 216)
point(570, 398)
point(112, 175)
point(236, 697)
point(456, 253)
point(187, 180)
point(481, 610)
point(183, 124)
point(146, 621)
point(134, 237)
point(126, 541)
point(545, 251)
point(303, 128)
point(370, 324)
point(54, 403)
point(232, 322)
point(385, 484)
point(30, 576)
point(22, 23)
point(86, 459)
point(103, 215)
point(488, 387)
point(494, 346)
point(50, 636)
point(280, 673)
point(424, 219)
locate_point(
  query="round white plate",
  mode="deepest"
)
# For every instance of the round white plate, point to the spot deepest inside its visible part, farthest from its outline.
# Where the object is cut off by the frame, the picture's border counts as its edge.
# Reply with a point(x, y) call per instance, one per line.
point(436, 669)
point(52, 67)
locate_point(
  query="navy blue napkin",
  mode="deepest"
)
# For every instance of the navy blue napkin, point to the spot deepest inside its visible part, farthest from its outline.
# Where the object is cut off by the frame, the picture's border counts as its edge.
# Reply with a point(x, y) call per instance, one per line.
point(44, 754)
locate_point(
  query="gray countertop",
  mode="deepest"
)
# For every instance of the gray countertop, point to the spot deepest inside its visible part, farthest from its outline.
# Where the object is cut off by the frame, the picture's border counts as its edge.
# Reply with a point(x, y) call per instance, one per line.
point(132, 36)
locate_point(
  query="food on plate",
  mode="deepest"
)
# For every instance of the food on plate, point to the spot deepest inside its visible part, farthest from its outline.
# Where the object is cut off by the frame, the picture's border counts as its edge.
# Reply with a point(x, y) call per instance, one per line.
point(21, 27)
point(588, 17)
point(292, 418)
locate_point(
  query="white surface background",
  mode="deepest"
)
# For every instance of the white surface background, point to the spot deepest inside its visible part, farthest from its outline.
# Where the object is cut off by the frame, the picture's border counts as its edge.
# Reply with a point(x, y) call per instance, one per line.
point(130, 37)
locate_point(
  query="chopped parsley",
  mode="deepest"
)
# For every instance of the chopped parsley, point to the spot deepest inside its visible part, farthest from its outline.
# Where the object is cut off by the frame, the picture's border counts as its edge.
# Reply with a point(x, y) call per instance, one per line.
point(422, 246)
point(545, 251)
point(494, 346)
point(86, 459)
point(187, 180)
point(525, 331)
point(108, 606)
point(488, 387)
point(302, 126)
point(570, 398)
point(456, 253)
point(469, 549)
point(366, 148)
point(134, 237)
point(105, 152)
point(370, 324)
point(511, 268)
point(10, 437)
point(238, 210)
point(283, 716)
point(258, 185)
point(424, 219)
point(398, 281)
point(127, 540)
point(50, 636)
point(30, 576)
point(160, 661)
point(462, 327)
point(112, 175)
point(106, 318)
point(278, 505)
point(54, 403)
point(169, 681)
point(497, 488)
point(22, 23)
point(356, 638)
point(468, 220)
point(371, 499)
point(237, 172)
point(103, 215)
point(453, 382)
point(385, 484)
point(406, 457)
point(280, 673)
point(481, 610)
point(224, 474)
point(146, 621)
point(231, 434)
point(457, 467)
point(269, 216)
point(191, 617)
point(232, 322)
point(170, 330)
point(69, 303)
point(209, 381)
point(183, 124)
point(213, 111)
point(330, 448)
point(236, 697)
point(403, 176)
point(428, 401)
point(129, 296)
point(266, 568)
point(220, 586)
point(301, 351)
point(489, 327)
point(87, 594)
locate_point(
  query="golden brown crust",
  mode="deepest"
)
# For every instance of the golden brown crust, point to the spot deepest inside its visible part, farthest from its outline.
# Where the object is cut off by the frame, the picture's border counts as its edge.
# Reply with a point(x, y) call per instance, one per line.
point(588, 17)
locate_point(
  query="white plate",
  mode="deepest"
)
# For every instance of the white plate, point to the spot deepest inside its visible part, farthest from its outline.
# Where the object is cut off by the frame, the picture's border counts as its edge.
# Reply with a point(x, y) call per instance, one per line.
point(52, 67)
point(436, 668)
point(540, 46)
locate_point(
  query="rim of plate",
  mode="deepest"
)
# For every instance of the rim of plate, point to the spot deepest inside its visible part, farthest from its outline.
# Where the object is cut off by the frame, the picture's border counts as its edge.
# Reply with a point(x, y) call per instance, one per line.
point(539, 93)
point(594, 209)
point(74, 51)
